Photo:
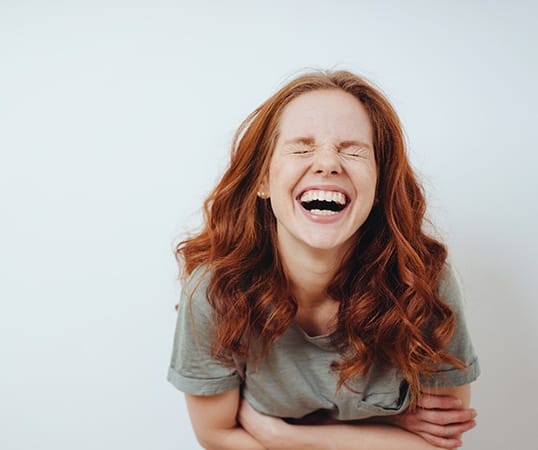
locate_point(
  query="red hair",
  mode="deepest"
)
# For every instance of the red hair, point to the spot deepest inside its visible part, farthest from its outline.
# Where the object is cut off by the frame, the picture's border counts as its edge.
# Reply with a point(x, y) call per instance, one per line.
point(389, 310)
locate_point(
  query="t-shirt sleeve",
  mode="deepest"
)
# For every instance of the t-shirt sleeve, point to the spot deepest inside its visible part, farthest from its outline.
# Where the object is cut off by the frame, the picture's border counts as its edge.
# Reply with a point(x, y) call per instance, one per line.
point(192, 368)
point(460, 346)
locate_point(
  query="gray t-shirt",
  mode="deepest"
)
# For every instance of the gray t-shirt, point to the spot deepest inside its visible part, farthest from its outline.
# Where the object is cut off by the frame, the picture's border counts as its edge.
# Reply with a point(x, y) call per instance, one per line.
point(295, 377)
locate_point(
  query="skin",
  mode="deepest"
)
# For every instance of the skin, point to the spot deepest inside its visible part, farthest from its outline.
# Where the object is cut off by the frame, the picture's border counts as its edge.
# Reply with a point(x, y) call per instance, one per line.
point(325, 142)
point(274, 433)
point(225, 421)
point(442, 417)
point(322, 146)
point(325, 139)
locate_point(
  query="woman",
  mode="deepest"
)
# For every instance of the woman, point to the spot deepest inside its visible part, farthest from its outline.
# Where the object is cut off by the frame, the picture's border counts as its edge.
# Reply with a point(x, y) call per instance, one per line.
point(316, 312)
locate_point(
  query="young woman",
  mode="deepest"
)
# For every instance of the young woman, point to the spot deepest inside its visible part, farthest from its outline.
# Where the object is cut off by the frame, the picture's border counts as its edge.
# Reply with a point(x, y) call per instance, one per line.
point(316, 311)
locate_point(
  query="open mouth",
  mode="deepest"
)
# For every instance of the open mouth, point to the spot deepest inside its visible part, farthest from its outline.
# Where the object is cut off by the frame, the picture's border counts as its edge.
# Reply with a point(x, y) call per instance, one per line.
point(323, 203)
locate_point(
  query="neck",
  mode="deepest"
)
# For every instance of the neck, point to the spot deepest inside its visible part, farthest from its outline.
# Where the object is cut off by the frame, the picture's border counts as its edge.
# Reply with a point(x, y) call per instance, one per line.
point(310, 272)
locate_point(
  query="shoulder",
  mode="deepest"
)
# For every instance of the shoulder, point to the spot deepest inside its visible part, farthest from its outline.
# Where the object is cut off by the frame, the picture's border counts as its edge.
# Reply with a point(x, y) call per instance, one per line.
point(449, 287)
point(194, 293)
point(197, 281)
point(460, 345)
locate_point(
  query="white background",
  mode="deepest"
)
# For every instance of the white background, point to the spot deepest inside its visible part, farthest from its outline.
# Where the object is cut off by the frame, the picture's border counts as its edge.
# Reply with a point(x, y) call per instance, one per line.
point(115, 122)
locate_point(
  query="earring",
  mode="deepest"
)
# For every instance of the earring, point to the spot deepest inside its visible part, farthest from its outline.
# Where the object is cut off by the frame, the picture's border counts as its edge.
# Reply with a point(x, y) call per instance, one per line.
point(262, 195)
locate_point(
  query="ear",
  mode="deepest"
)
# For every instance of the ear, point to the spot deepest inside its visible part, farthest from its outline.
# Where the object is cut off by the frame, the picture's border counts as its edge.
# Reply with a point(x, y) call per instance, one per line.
point(263, 188)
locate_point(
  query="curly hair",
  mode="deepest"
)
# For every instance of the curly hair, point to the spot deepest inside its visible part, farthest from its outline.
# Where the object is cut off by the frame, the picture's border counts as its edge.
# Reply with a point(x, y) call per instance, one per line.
point(389, 310)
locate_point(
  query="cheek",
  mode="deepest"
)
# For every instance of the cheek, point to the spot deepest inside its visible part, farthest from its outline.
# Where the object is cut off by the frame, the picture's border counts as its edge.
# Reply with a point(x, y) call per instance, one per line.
point(365, 179)
point(283, 177)
point(373, 183)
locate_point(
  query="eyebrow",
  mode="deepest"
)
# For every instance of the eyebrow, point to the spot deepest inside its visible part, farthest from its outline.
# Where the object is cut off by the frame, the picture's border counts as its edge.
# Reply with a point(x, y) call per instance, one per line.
point(346, 144)
point(301, 140)
point(311, 141)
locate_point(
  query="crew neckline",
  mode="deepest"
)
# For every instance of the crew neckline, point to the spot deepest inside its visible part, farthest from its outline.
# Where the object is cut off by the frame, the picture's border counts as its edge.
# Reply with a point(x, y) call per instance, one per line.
point(323, 341)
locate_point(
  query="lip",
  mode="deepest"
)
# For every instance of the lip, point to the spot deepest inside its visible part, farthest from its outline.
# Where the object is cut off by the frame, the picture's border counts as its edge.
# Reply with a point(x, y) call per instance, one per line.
point(324, 219)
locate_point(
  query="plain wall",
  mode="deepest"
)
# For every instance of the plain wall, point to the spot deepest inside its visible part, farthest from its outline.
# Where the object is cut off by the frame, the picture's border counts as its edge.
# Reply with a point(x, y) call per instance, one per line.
point(116, 119)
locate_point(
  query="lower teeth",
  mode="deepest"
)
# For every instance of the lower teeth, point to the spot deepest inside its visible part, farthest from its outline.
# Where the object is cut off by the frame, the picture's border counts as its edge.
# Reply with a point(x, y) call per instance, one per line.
point(323, 212)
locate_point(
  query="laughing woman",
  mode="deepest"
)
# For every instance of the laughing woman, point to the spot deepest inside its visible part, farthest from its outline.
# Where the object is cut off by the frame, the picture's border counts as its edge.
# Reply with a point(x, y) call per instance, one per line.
point(315, 311)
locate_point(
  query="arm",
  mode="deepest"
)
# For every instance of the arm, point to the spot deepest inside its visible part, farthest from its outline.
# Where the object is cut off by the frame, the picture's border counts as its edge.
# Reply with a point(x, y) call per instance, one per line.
point(214, 422)
point(211, 387)
point(461, 393)
point(275, 434)
point(442, 416)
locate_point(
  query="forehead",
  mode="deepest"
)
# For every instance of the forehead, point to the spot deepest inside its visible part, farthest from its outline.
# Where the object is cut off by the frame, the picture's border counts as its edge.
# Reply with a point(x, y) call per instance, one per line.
point(322, 114)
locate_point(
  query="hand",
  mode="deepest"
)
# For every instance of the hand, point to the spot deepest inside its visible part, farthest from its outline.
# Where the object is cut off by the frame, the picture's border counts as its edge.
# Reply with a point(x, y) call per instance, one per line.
point(439, 419)
point(267, 430)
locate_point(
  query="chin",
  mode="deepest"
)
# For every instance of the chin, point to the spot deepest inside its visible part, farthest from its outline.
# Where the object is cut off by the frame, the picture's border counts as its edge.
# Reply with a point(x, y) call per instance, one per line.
point(327, 244)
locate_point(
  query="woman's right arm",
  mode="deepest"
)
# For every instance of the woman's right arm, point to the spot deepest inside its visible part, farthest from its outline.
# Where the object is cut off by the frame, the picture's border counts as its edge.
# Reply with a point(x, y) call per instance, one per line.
point(214, 422)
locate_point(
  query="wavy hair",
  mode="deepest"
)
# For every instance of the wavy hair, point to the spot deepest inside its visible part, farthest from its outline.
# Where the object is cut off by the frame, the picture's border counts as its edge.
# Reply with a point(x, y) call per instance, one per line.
point(389, 310)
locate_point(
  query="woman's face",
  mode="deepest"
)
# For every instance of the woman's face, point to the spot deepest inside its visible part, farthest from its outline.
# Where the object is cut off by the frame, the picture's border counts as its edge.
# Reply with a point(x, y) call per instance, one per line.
point(322, 175)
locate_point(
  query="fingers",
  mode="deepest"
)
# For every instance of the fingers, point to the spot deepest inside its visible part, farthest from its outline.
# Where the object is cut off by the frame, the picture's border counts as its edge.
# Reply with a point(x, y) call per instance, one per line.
point(443, 442)
point(430, 401)
point(244, 405)
point(441, 428)
point(245, 414)
point(455, 429)
point(446, 417)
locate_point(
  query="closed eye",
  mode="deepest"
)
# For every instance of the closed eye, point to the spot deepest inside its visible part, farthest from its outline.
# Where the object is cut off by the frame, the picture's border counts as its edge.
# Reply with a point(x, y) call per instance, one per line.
point(354, 151)
point(301, 149)
point(351, 153)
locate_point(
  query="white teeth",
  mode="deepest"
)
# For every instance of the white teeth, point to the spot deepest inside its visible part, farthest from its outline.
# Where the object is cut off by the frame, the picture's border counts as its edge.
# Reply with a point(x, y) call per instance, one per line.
point(329, 196)
point(322, 212)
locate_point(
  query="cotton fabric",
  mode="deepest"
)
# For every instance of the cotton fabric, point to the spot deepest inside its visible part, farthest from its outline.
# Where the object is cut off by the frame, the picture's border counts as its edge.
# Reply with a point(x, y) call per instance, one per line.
point(295, 378)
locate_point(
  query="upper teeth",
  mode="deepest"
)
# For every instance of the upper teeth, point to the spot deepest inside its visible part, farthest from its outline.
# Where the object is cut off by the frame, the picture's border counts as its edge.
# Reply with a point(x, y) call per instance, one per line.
point(328, 196)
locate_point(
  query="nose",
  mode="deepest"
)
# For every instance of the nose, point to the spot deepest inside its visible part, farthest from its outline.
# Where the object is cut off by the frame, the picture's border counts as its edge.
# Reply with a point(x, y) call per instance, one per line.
point(326, 161)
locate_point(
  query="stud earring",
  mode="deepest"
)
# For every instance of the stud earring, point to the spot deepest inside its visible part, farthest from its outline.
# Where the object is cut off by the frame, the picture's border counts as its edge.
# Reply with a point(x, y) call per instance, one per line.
point(262, 195)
